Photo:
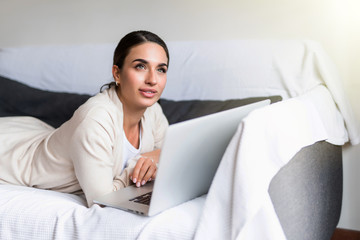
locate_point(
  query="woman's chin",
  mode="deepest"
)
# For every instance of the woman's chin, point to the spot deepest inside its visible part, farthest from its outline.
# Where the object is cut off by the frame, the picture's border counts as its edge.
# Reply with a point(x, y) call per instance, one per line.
point(149, 102)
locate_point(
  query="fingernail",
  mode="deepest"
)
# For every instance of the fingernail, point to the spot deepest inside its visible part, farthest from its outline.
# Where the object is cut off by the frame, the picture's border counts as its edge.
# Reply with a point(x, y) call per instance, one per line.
point(150, 179)
point(143, 182)
point(131, 177)
point(134, 180)
point(138, 184)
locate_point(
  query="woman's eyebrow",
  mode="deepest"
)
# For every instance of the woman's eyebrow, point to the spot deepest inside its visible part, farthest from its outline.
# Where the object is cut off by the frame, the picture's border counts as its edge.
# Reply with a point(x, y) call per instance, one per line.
point(146, 62)
point(140, 60)
point(163, 65)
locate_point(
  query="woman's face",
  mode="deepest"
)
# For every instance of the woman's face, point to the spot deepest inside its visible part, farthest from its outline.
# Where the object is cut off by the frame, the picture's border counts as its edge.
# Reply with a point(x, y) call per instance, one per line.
point(142, 78)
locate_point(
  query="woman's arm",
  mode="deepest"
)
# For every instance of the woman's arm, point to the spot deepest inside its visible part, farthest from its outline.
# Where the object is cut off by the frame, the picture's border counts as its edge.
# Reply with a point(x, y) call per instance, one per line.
point(146, 166)
point(91, 152)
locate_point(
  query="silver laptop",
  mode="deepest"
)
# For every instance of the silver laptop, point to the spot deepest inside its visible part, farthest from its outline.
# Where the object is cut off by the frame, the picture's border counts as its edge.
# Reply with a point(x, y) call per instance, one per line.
point(189, 158)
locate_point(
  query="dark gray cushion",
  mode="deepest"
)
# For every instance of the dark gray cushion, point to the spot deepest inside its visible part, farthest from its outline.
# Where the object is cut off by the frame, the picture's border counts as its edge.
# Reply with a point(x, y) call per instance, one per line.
point(54, 108)
point(178, 111)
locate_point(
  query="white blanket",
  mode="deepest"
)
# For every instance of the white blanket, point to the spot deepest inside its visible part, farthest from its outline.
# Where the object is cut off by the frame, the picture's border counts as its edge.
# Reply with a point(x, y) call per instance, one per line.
point(30, 213)
point(315, 67)
point(238, 205)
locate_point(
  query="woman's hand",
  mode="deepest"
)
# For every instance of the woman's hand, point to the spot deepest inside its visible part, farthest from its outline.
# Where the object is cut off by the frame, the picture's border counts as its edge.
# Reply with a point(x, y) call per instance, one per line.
point(145, 168)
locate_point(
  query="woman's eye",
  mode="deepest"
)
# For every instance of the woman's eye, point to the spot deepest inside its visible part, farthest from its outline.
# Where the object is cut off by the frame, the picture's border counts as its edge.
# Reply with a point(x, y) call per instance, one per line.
point(140, 66)
point(162, 70)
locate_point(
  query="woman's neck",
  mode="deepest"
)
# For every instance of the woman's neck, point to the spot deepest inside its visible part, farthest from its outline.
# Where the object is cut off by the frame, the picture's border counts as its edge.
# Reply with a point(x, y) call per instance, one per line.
point(131, 121)
point(131, 125)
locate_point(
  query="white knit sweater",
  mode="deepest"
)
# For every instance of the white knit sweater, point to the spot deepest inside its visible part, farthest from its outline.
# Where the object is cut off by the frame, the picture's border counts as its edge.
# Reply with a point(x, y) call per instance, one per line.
point(85, 153)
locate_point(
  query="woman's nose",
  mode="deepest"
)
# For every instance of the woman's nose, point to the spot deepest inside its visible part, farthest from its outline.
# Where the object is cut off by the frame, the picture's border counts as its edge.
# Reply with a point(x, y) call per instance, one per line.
point(151, 78)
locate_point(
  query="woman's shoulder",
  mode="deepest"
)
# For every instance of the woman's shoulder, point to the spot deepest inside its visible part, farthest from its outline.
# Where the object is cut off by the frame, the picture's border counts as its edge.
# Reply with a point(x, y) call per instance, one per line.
point(100, 100)
point(98, 107)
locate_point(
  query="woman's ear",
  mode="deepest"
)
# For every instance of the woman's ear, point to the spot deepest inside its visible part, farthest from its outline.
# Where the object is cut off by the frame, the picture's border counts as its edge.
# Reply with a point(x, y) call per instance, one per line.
point(116, 74)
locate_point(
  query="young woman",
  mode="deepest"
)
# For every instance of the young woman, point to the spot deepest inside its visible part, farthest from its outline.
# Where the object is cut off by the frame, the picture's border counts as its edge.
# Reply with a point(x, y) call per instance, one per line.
point(112, 140)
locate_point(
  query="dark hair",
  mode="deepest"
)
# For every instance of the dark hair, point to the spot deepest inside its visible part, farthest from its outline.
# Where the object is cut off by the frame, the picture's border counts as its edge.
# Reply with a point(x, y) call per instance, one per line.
point(131, 40)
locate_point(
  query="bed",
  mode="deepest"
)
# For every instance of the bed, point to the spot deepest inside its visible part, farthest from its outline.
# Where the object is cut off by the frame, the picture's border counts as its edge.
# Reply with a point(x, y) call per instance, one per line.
point(280, 177)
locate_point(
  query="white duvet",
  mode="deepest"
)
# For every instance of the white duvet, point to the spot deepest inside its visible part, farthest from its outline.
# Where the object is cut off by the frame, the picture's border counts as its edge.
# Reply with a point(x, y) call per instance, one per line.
point(238, 205)
point(29, 213)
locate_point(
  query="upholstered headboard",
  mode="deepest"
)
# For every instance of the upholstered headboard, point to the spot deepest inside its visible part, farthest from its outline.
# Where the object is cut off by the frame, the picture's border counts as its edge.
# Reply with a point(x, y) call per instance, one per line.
point(232, 69)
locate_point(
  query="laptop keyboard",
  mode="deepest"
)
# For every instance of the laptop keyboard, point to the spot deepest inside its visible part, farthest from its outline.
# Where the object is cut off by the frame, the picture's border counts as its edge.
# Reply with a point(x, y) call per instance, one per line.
point(143, 199)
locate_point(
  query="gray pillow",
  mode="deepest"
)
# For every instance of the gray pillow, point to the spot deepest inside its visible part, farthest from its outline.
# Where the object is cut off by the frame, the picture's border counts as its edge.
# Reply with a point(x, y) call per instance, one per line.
point(178, 111)
point(54, 108)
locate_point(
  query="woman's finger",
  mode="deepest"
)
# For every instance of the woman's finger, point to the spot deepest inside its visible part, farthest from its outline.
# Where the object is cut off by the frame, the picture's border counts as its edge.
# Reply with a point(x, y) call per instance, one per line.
point(145, 168)
point(149, 174)
point(135, 174)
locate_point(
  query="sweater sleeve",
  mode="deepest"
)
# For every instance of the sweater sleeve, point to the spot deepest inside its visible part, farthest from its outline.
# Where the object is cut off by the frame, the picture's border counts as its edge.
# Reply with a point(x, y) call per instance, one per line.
point(91, 149)
point(160, 126)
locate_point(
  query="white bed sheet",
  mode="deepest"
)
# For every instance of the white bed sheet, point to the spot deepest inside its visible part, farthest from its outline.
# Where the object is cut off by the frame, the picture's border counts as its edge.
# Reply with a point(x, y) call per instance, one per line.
point(29, 213)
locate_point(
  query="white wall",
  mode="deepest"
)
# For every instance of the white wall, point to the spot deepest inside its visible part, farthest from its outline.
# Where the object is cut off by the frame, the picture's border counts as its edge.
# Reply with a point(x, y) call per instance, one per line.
point(334, 23)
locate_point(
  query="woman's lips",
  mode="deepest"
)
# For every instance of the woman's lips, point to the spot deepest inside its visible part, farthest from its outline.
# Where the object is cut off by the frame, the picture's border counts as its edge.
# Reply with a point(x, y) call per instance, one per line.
point(149, 93)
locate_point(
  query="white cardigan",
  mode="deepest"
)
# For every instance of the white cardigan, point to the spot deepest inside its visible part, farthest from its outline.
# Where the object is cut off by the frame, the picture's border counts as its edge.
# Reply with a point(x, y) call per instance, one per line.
point(85, 153)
